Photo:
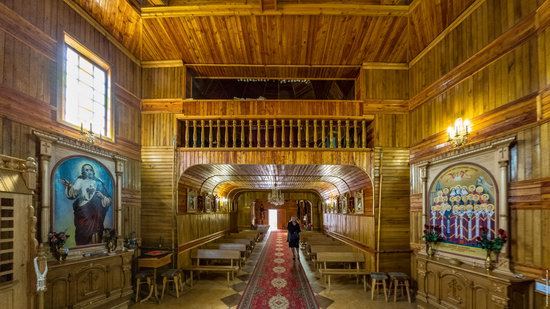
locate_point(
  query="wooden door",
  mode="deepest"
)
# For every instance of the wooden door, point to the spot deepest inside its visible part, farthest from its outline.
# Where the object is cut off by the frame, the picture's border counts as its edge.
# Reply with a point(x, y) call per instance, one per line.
point(281, 219)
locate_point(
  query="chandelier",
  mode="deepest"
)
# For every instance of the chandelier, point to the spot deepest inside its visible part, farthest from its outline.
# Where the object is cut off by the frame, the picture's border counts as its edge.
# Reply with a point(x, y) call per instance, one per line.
point(458, 135)
point(276, 198)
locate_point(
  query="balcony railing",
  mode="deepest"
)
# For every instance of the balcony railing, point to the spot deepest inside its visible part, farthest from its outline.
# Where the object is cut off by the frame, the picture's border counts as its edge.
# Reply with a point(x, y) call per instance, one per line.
point(287, 133)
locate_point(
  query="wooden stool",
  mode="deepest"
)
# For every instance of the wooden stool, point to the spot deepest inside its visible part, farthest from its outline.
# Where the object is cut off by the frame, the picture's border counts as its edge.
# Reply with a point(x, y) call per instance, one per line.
point(144, 277)
point(172, 275)
point(399, 280)
point(377, 279)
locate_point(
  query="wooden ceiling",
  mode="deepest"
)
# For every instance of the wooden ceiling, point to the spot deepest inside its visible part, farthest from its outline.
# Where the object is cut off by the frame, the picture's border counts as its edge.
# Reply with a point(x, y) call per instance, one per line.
point(259, 38)
point(222, 179)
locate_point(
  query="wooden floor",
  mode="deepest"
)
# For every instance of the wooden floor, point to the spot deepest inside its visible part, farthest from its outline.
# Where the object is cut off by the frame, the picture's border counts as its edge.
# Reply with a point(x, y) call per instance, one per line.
point(213, 291)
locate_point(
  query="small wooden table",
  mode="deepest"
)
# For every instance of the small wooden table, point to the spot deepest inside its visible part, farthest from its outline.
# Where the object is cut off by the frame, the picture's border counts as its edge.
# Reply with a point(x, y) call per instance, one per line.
point(154, 263)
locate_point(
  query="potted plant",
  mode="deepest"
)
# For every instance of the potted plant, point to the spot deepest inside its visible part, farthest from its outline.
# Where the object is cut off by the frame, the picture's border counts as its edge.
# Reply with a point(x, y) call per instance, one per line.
point(491, 245)
point(57, 243)
point(432, 235)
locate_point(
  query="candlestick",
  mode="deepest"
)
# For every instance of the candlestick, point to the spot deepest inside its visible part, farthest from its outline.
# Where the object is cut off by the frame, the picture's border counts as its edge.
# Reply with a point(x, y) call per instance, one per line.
point(547, 283)
point(81, 127)
point(91, 128)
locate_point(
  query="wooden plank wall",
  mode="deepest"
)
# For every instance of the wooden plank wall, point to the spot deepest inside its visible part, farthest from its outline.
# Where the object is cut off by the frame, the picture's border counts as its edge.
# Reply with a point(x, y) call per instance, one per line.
point(31, 38)
point(507, 95)
point(163, 83)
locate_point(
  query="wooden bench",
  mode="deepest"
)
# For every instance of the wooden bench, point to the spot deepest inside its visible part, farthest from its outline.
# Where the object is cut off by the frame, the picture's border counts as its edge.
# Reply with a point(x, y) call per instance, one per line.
point(251, 240)
point(314, 249)
point(228, 240)
point(231, 256)
point(229, 246)
point(336, 271)
point(342, 257)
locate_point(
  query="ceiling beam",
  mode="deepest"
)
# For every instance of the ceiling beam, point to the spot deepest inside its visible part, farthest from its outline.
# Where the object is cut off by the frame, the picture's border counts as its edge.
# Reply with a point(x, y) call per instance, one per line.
point(343, 9)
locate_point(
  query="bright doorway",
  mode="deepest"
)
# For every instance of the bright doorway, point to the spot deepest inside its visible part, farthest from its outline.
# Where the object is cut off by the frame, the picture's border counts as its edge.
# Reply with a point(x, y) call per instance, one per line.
point(272, 219)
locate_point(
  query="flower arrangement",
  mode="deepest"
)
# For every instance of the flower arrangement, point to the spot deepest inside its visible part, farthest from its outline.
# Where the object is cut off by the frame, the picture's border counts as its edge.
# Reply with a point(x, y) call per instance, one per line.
point(492, 245)
point(109, 238)
point(432, 235)
point(57, 241)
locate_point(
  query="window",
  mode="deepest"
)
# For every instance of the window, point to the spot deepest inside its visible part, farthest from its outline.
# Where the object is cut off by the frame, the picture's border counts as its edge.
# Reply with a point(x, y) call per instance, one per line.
point(86, 93)
point(6, 239)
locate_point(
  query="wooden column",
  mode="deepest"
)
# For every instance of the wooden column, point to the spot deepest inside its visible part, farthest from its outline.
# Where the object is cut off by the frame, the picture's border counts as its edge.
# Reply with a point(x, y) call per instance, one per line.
point(424, 177)
point(46, 150)
point(119, 172)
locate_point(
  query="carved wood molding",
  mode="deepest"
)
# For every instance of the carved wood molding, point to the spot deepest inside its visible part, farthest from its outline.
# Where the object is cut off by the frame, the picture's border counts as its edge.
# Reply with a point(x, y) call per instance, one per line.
point(24, 31)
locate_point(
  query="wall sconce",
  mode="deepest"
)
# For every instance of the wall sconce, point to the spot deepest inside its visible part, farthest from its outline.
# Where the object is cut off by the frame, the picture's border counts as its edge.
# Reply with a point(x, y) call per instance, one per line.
point(458, 135)
point(88, 136)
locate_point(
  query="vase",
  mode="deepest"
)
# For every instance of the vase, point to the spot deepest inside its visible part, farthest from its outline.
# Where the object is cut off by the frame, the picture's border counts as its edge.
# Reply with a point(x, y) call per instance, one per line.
point(488, 261)
point(60, 254)
point(429, 249)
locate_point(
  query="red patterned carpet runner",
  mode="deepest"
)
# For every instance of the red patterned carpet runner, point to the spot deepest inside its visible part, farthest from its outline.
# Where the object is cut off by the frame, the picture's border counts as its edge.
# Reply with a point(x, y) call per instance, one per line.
point(278, 282)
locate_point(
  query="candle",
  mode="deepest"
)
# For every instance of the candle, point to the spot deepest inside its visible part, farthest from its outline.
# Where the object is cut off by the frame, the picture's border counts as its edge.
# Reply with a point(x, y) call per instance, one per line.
point(91, 128)
point(81, 127)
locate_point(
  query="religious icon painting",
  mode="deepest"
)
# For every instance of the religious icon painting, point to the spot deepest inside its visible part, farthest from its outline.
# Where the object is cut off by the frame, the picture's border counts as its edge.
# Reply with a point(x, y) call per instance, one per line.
point(83, 200)
point(462, 202)
point(191, 201)
point(359, 202)
point(208, 203)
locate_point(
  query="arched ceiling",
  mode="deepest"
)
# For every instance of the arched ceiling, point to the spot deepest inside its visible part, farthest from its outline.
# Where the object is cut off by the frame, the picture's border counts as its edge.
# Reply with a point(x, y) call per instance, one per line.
point(258, 38)
point(222, 179)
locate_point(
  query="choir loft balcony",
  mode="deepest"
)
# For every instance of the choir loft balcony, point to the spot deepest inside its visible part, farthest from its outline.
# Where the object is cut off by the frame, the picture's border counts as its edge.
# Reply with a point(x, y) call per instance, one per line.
point(320, 133)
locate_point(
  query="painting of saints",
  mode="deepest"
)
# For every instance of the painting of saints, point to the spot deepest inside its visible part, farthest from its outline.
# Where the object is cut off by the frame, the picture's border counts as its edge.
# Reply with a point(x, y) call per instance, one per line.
point(89, 193)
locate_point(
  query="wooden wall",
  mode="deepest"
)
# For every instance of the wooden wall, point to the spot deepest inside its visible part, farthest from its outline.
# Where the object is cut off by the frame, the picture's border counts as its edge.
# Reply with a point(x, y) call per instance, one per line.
point(245, 199)
point(31, 41)
point(492, 68)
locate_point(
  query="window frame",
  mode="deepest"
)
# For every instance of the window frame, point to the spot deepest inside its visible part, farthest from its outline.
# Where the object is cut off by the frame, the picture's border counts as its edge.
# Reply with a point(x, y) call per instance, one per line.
point(84, 52)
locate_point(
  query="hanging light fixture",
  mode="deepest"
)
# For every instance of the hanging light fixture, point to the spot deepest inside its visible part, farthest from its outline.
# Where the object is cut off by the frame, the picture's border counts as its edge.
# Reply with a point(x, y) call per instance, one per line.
point(276, 198)
point(458, 135)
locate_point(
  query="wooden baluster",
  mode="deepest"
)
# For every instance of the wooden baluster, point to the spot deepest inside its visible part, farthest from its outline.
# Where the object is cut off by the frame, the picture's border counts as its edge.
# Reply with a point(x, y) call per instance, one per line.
point(258, 134)
point(323, 134)
point(290, 135)
point(339, 135)
point(330, 128)
point(234, 133)
point(299, 135)
point(355, 141)
point(195, 144)
point(226, 141)
point(186, 137)
point(347, 134)
point(249, 133)
point(283, 138)
point(211, 133)
point(275, 133)
point(315, 133)
point(218, 134)
point(364, 133)
point(203, 135)
point(307, 133)
point(266, 133)
point(242, 133)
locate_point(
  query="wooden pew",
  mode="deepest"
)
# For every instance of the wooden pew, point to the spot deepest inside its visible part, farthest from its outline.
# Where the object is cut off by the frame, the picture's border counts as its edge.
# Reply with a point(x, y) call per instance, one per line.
point(233, 257)
point(342, 257)
point(236, 241)
point(314, 249)
point(251, 238)
point(229, 246)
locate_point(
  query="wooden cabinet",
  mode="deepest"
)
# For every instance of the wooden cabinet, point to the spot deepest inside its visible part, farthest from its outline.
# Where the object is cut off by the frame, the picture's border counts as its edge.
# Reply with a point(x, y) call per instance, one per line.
point(442, 285)
point(103, 281)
